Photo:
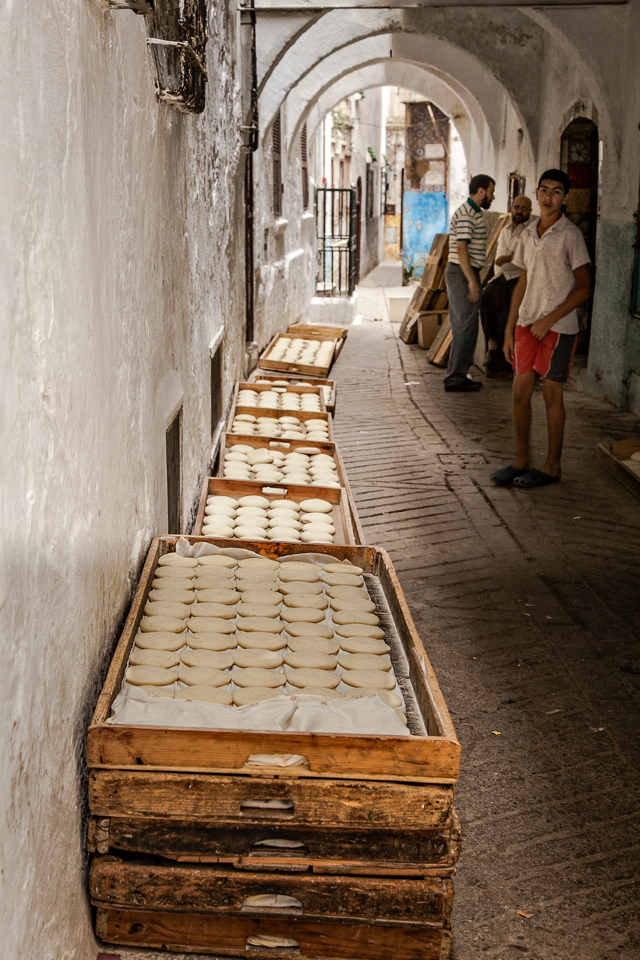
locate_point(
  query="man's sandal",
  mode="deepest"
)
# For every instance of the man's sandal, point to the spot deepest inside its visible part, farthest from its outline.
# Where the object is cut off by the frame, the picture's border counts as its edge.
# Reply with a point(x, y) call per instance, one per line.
point(533, 479)
point(505, 476)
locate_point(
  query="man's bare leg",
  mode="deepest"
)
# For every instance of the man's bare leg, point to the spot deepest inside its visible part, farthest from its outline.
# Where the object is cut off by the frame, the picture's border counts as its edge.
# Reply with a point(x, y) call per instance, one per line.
point(556, 417)
point(523, 385)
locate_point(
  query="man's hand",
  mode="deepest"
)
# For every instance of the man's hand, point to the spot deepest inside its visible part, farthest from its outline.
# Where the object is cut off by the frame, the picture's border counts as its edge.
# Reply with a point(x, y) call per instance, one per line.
point(507, 258)
point(474, 292)
point(509, 346)
point(541, 327)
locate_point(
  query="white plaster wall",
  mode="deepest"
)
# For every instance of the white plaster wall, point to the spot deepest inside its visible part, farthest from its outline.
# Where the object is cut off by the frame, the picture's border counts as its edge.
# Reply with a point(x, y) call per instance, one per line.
point(120, 259)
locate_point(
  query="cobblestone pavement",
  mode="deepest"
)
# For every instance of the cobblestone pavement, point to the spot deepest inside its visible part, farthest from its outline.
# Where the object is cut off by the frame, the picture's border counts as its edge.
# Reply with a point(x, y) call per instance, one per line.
point(528, 606)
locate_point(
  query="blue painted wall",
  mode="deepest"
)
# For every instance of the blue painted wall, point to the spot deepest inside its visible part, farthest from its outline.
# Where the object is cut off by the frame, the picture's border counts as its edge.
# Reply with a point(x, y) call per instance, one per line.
point(424, 214)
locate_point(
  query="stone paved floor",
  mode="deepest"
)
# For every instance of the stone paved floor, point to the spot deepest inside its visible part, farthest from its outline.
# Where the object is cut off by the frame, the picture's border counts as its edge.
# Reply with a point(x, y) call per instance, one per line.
point(528, 607)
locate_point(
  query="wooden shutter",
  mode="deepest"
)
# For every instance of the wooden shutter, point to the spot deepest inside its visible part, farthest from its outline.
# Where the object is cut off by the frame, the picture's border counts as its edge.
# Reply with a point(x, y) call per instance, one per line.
point(305, 167)
point(370, 189)
point(276, 148)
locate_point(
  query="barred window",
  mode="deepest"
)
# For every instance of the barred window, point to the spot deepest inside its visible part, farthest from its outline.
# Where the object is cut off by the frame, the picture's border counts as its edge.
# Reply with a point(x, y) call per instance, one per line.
point(276, 150)
point(370, 189)
point(305, 167)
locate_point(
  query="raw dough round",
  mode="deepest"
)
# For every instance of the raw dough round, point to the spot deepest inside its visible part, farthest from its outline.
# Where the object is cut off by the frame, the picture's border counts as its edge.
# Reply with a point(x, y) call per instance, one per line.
point(211, 625)
point(319, 692)
point(215, 583)
point(212, 641)
point(312, 536)
point(364, 645)
point(260, 625)
point(175, 572)
point(265, 659)
point(290, 504)
point(174, 559)
point(261, 641)
point(263, 586)
point(206, 658)
point(253, 501)
point(300, 588)
point(160, 641)
point(230, 501)
point(171, 596)
point(205, 693)
point(246, 695)
point(355, 604)
point(269, 576)
point(300, 565)
point(309, 630)
point(247, 609)
point(205, 572)
point(154, 658)
point(284, 533)
point(250, 533)
point(302, 615)
point(258, 563)
point(310, 658)
point(209, 676)
point(635, 456)
point(308, 677)
point(228, 597)
point(306, 600)
point(298, 576)
point(223, 610)
point(347, 568)
point(269, 598)
point(376, 679)
point(316, 506)
point(155, 676)
point(359, 630)
point(217, 560)
point(157, 691)
point(387, 695)
point(355, 616)
point(257, 677)
point(341, 580)
point(169, 583)
point(180, 611)
point(162, 625)
point(363, 661)
point(345, 593)
point(301, 644)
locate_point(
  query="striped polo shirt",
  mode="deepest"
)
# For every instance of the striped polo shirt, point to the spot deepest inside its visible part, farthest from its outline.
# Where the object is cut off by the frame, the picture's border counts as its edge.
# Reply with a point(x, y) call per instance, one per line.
point(467, 223)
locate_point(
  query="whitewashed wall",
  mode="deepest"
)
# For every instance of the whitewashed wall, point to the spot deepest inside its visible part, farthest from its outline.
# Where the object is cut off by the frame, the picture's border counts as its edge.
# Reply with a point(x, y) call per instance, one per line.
point(120, 260)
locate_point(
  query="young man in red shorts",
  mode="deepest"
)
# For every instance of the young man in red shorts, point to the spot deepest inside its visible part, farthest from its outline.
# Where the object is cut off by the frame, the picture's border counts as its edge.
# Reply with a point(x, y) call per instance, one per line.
point(542, 328)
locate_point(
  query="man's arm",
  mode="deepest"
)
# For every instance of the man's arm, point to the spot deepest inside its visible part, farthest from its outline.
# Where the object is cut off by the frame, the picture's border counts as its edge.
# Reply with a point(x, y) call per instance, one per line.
point(516, 299)
point(580, 293)
point(505, 258)
point(465, 264)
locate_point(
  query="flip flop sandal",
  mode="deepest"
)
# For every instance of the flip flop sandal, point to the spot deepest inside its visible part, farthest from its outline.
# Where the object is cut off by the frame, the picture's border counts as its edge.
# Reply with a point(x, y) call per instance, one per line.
point(505, 476)
point(533, 479)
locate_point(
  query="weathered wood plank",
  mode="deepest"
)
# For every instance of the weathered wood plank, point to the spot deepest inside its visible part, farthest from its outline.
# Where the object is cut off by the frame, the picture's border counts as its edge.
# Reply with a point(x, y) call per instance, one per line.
point(611, 456)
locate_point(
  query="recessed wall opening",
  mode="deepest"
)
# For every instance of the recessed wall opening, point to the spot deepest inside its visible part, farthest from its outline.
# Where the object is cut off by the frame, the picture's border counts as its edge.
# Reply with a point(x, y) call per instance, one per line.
point(174, 474)
point(217, 403)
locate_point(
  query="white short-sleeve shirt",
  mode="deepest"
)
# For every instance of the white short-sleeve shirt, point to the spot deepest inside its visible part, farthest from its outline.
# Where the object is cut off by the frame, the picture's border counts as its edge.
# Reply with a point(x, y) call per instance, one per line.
point(550, 261)
point(507, 243)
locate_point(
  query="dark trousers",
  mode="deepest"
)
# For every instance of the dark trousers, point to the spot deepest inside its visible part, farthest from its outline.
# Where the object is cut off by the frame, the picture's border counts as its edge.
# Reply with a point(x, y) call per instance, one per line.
point(464, 317)
point(496, 300)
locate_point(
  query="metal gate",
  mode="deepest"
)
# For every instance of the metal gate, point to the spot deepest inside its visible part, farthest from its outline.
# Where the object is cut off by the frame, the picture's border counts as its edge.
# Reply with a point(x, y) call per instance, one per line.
point(336, 235)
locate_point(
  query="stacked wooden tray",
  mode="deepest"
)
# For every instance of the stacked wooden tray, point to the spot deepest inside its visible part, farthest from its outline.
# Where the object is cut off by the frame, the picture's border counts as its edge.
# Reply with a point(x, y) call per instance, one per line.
point(302, 415)
point(315, 371)
point(305, 382)
point(350, 854)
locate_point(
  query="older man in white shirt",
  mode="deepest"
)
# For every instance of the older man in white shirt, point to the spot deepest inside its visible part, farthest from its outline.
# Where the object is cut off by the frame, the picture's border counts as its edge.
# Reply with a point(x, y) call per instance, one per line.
point(496, 297)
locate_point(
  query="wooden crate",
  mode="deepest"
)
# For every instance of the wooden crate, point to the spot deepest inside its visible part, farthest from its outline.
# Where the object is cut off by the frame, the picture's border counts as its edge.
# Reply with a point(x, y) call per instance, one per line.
point(340, 514)
point(430, 758)
point(429, 326)
point(611, 456)
point(315, 371)
point(309, 939)
point(229, 440)
point(319, 330)
point(302, 415)
point(302, 381)
point(293, 387)
point(439, 351)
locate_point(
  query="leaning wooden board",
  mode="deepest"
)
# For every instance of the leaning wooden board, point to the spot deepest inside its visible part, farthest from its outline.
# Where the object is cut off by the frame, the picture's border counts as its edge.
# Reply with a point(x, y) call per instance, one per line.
point(230, 440)
point(431, 758)
point(315, 371)
point(611, 456)
point(340, 514)
point(302, 415)
point(302, 381)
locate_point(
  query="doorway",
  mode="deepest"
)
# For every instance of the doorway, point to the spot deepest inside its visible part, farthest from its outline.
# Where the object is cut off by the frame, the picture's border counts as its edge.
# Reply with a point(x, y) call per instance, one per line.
point(358, 226)
point(580, 158)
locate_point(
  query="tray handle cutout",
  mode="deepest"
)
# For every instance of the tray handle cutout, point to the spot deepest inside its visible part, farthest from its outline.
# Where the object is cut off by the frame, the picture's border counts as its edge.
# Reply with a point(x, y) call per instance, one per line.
point(279, 443)
point(272, 901)
point(279, 846)
point(276, 760)
point(281, 490)
point(276, 944)
point(269, 809)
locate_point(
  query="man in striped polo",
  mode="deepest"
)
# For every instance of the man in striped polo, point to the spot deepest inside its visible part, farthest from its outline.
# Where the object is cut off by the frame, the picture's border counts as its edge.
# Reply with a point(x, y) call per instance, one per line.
point(467, 255)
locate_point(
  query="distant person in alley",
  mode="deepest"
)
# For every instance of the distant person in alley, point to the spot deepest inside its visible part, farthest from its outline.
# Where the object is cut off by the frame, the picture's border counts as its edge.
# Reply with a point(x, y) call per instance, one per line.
point(496, 296)
point(467, 256)
point(542, 328)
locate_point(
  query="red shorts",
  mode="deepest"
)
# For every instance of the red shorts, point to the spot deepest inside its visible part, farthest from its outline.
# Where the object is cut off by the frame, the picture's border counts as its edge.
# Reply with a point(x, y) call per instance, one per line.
point(550, 358)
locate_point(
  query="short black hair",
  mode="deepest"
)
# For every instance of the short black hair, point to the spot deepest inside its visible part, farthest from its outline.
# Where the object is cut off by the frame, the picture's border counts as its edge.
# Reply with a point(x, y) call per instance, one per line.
point(481, 181)
point(559, 176)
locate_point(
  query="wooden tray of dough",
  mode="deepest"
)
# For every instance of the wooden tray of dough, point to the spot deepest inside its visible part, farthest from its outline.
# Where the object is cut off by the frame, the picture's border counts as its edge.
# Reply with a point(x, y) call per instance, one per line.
point(611, 455)
point(231, 439)
point(302, 381)
point(327, 331)
point(340, 515)
point(293, 387)
point(432, 755)
point(315, 371)
point(302, 415)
